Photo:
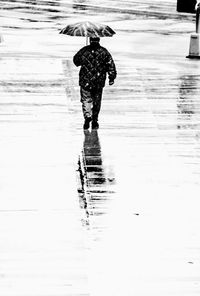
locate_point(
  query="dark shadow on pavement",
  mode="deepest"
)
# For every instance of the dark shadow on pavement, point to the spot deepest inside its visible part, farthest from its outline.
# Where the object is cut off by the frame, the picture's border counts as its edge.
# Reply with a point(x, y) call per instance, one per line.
point(79, 5)
point(187, 106)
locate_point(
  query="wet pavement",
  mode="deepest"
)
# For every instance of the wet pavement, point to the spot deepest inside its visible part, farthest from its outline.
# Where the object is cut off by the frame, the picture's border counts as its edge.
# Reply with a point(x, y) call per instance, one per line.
point(107, 212)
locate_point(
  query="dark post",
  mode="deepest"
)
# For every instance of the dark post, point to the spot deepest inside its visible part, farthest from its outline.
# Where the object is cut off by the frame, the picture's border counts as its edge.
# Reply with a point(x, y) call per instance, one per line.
point(197, 18)
point(186, 6)
point(192, 6)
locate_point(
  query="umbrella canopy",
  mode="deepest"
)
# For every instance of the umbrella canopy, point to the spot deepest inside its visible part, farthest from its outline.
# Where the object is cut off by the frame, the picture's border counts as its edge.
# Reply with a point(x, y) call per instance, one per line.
point(88, 29)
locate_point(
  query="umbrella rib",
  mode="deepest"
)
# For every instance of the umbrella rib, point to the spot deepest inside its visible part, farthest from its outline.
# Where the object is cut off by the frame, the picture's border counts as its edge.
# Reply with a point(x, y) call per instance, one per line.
point(85, 29)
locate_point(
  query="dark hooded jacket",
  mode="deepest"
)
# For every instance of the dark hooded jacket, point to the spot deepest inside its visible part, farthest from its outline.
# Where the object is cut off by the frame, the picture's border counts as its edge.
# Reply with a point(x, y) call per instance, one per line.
point(95, 62)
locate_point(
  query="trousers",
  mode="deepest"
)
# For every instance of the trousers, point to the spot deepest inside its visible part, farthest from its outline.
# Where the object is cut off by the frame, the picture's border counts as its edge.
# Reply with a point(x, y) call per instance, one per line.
point(91, 102)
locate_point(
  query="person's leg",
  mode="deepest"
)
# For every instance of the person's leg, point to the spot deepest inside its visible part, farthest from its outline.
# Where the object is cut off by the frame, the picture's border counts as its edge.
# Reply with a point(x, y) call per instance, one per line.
point(96, 96)
point(86, 100)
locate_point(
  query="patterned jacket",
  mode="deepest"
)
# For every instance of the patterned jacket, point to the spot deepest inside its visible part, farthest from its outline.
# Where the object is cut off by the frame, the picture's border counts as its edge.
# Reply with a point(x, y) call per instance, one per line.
point(95, 62)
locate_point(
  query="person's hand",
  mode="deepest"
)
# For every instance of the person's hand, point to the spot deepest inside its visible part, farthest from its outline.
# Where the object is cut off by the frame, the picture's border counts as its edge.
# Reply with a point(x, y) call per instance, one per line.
point(111, 82)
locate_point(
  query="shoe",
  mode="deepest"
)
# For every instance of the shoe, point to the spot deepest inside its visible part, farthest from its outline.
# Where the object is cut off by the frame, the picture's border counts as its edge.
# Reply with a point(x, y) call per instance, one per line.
point(95, 125)
point(87, 123)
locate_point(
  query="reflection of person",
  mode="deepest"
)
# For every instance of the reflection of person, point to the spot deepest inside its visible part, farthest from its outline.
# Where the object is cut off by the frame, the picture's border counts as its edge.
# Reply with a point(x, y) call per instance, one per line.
point(95, 62)
point(92, 148)
point(93, 158)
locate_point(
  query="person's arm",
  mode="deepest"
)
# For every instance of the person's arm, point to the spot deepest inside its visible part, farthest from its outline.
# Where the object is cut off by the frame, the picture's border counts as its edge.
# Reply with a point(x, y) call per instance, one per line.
point(78, 58)
point(111, 69)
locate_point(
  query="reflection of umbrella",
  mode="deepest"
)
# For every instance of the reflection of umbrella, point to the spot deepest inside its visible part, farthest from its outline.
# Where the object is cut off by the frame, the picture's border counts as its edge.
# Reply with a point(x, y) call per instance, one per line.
point(88, 29)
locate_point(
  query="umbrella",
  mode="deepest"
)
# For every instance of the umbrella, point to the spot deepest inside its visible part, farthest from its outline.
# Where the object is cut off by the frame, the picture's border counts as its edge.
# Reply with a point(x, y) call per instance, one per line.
point(88, 29)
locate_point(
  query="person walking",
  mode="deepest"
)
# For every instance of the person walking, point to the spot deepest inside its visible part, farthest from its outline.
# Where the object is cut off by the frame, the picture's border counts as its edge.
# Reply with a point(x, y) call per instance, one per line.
point(96, 62)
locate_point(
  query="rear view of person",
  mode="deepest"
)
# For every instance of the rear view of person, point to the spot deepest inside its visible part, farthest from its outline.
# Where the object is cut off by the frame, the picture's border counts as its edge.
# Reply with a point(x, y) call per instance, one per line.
point(96, 62)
